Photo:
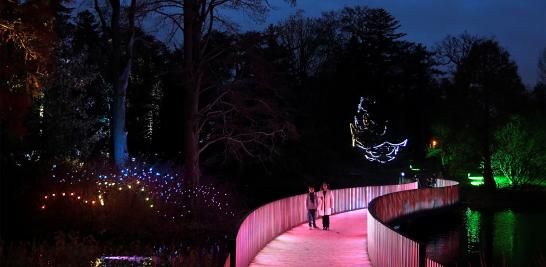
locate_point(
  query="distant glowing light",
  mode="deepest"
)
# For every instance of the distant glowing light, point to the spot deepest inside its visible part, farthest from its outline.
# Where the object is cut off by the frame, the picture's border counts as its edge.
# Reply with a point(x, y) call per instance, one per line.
point(413, 168)
point(41, 111)
point(434, 143)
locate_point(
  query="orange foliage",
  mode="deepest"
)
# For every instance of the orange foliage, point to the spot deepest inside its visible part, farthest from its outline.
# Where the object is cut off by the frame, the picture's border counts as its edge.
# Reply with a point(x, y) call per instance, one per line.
point(27, 39)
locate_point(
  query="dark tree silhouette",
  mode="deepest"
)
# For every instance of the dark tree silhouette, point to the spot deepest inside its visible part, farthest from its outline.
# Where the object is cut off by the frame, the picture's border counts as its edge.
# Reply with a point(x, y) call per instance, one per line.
point(489, 88)
point(542, 67)
point(452, 50)
point(196, 20)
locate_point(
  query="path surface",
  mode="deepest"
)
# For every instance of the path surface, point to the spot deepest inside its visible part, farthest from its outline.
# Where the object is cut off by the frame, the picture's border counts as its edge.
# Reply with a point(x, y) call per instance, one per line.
point(343, 245)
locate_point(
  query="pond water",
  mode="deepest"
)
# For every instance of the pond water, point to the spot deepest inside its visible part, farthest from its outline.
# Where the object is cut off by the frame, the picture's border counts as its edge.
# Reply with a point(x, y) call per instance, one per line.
point(461, 236)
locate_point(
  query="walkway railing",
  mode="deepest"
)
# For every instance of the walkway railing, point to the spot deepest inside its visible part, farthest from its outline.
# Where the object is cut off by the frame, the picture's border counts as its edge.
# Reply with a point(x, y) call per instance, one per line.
point(272, 219)
point(386, 247)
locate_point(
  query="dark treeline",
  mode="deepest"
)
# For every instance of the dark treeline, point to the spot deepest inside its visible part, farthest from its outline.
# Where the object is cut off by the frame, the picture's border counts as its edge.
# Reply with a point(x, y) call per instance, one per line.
point(299, 81)
point(275, 105)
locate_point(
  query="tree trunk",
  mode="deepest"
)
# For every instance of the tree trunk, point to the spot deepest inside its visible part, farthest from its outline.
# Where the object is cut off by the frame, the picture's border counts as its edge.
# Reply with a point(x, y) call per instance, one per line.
point(119, 135)
point(488, 179)
point(191, 135)
point(191, 148)
point(191, 92)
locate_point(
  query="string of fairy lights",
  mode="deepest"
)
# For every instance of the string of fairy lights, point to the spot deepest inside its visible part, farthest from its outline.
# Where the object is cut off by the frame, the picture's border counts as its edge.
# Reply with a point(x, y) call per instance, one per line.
point(164, 193)
point(366, 135)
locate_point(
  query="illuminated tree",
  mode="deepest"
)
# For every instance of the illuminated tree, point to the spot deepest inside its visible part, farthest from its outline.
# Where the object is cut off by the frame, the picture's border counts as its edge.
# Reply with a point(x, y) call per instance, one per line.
point(521, 154)
point(146, 92)
point(488, 90)
point(121, 67)
point(72, 118)
point(26, 42)
point(456, 149)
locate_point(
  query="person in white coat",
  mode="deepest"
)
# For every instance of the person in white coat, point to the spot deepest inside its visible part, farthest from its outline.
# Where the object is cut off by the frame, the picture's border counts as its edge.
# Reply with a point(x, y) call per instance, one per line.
point(326, 205)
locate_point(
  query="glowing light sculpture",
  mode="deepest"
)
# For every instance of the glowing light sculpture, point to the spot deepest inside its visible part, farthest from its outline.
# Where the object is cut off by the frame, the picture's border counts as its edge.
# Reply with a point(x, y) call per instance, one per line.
point(366, 133)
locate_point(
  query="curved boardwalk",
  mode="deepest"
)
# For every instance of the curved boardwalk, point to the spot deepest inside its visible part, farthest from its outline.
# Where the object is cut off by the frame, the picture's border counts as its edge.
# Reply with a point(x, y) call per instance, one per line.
point(343, 245)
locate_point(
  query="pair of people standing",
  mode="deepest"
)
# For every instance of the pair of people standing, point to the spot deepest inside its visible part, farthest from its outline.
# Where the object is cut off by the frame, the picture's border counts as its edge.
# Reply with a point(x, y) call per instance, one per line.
point(321, 201)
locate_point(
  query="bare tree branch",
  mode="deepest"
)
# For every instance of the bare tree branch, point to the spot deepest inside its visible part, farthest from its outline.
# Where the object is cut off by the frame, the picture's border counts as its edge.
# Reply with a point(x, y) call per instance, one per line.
point(103, 23)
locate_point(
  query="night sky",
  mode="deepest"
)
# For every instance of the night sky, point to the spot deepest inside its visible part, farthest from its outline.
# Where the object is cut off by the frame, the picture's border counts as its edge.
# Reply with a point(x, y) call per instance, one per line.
point(519, 25)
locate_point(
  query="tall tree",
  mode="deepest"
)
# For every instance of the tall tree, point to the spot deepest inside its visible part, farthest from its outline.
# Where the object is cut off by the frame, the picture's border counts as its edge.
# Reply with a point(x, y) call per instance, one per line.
point(70, 112)
point(121, 68)
point(196, 20)
point(489, 89)
point(147, 85)
point(311, 42)
point(375, 62)
point(452, 50)
point(71, 117)
point(539, 91)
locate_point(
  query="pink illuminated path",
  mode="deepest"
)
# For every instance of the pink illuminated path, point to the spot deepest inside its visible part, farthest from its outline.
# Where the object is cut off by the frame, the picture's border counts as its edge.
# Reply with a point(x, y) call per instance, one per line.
point(343, 245)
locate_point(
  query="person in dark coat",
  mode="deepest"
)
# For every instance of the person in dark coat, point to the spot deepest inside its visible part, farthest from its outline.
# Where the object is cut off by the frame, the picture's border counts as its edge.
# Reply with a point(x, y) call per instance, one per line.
point(311, 203)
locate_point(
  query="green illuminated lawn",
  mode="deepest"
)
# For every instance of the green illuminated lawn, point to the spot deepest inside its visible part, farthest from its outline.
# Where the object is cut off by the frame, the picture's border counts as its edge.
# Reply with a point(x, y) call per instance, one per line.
point(501, 181)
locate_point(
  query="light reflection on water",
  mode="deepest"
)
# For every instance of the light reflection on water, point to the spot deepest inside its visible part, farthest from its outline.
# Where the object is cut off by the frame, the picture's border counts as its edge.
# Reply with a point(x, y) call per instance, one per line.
point(503, 237)
point(472, 230)
point(506, 238)
point(465, 237)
